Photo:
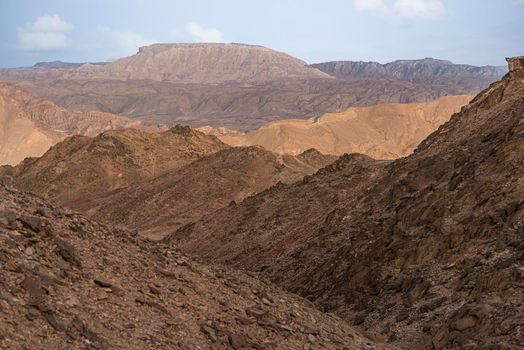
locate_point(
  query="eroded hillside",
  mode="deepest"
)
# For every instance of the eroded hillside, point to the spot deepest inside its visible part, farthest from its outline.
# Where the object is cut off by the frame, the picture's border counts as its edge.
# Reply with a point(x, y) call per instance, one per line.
point(81, 167)
point(424, 252)
point(387, 131)
point(29, 126)
point(68, 282)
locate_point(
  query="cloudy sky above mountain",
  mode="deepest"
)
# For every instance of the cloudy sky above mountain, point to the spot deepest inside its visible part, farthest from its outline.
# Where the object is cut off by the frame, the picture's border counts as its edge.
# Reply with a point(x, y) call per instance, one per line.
point(466, 31)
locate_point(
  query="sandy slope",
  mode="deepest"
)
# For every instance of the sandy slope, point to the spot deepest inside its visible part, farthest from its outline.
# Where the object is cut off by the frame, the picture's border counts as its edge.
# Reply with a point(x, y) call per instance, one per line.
point(385, 131)
point(29, 126)
point(20, 137)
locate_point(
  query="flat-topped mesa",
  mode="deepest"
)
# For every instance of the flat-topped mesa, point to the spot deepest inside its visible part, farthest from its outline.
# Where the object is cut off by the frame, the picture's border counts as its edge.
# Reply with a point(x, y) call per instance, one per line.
point(515, 63)
point(203, 63)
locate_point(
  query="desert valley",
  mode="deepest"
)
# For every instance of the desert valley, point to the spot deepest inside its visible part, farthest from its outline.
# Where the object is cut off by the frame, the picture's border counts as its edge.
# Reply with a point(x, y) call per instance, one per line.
point(215, 195)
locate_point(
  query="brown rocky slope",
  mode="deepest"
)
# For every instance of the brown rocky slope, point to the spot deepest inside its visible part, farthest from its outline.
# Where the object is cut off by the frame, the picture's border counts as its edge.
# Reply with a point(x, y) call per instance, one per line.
point(29, 125)
point(81, 167)
point(155, 182)
point(165, 203)
point(71, 283)
point(386, 131)
point(425, 250)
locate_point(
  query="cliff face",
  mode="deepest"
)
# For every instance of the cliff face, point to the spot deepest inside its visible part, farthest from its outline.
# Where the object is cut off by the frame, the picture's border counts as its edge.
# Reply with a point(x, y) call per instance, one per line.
point(515, 63)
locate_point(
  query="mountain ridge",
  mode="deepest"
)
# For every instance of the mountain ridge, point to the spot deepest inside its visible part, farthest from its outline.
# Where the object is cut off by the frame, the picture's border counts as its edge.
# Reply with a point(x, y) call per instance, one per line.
point(424, 251)
point(386, 131)
point(415, 70)
point(167, 202)
point(115, 159)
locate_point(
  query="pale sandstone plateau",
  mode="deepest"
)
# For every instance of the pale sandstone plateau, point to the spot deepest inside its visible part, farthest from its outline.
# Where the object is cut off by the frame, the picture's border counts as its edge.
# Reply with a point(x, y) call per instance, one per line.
point(342, 205)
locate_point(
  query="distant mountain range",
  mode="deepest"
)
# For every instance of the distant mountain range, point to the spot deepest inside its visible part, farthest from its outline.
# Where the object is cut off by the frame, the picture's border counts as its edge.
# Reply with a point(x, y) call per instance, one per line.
point(187, 63)
point(240, 86)
point(63, 65)
point(424, 70)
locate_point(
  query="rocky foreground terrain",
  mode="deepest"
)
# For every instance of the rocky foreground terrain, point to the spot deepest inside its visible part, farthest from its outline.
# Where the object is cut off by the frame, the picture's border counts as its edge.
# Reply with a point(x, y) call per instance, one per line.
point(29, 125)
point(71, 283)
point(423, 252)
point(387, 131)
point(237, 86)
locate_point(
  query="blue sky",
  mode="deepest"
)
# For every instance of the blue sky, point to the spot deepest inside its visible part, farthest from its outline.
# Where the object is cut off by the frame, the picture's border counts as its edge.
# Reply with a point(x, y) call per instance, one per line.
point(465, 31)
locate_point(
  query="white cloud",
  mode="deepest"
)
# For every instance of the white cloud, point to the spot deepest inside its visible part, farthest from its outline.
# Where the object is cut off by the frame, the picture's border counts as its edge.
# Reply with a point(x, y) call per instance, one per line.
point(46, 33)
point(201, 34)
point(42, 41)
point(371, 5)
point(410, 9)
point(51, 24)
point(423, 9)
point(127, 42)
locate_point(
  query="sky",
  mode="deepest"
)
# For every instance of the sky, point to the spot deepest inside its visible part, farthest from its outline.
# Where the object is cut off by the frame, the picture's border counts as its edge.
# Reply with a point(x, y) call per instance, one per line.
point(479, 32)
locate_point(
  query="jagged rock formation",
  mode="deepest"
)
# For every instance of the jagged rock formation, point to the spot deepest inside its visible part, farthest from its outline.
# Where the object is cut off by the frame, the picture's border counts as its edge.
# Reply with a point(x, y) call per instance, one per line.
point(81, 167)
point(385, 131)
point(29, 125)
point(515, 63)
point(71, 283)
point(424, 251)
point(236, 86)
point(423, 70)
point(163, 204)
